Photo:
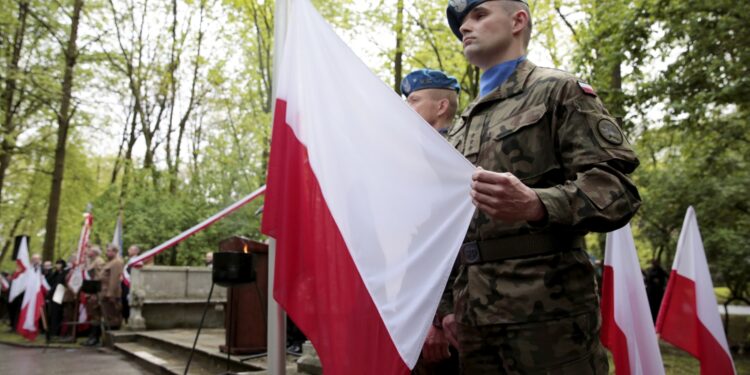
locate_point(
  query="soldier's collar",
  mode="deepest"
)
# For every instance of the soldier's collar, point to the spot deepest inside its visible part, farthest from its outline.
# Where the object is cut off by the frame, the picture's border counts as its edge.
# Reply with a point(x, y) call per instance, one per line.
point(512, 86)
point(494, 77)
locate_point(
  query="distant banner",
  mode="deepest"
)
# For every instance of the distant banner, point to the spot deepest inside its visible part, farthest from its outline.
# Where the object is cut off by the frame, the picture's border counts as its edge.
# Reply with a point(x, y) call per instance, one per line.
point(195, 229)
point(76, 276)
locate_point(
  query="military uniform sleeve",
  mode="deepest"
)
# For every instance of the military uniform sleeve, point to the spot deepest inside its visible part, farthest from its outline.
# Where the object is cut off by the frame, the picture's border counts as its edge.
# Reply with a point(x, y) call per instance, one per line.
point(597, 194)
point(445, 306)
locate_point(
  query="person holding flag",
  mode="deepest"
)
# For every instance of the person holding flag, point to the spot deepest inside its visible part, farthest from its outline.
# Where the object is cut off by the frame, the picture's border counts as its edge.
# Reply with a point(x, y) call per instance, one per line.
point(434, 96)
point(32, 306)
point(552, 165)
point(93, 311)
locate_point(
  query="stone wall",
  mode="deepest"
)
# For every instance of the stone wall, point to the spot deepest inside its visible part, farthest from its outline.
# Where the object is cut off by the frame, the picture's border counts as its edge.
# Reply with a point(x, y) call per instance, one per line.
point(164, 297)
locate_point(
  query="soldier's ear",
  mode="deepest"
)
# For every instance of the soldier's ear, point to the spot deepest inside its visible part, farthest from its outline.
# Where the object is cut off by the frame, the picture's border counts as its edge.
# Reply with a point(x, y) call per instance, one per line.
point(520, 20)
point(443, 106)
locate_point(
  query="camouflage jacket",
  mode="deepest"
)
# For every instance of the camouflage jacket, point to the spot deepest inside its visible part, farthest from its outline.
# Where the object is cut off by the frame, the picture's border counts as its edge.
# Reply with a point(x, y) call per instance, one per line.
point(553, 133)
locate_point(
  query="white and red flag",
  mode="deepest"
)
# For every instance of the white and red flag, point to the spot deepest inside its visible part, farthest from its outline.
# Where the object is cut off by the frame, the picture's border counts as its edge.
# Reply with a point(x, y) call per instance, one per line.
point(78, 272)
point(368, 204)
point(32, 305)
point(627, 329)
point(689, 317)
point(23, 270)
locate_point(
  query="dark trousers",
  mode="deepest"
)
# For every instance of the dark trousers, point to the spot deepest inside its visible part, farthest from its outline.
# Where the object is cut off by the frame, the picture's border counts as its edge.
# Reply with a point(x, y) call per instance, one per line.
point(14, 310)
point(55, 317)
point(125, 302)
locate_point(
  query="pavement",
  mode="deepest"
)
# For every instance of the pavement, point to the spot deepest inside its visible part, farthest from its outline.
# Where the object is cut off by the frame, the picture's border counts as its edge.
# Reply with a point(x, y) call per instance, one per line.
point(38, 361)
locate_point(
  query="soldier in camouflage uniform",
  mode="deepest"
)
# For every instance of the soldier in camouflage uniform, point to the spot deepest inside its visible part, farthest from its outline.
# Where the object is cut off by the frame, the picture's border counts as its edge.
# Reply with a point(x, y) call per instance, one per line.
point(434, 95)
point(552, 166)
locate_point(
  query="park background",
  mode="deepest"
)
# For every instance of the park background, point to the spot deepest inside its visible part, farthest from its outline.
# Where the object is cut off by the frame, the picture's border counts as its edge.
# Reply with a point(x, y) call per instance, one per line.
point(160, 111)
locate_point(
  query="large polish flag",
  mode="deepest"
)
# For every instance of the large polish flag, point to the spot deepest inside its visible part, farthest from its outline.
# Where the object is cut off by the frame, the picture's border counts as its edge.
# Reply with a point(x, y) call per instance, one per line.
point(627, 328)
point(689, 318)
point(368, 204)
point(32, 305)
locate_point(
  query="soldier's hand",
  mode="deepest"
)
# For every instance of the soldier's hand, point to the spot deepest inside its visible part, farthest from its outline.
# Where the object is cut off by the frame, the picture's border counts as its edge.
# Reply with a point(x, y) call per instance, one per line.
point(450, 328)
point(435, 347)
point(504, 197)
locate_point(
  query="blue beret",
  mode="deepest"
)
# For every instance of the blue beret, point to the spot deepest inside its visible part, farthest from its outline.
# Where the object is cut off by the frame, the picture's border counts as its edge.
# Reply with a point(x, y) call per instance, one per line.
point(458, 9)
point(428, 79)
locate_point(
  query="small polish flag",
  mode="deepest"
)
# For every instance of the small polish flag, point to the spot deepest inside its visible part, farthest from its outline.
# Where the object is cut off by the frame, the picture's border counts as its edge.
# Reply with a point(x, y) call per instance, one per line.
point(689, 318)
point(627, 329)
point(587, 89)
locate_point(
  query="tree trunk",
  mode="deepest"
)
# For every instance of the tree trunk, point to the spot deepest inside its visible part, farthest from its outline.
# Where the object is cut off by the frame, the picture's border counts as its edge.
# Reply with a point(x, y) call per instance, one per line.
point(14, 227)
point(8, 131)
point(399, 54)
point(63, 121)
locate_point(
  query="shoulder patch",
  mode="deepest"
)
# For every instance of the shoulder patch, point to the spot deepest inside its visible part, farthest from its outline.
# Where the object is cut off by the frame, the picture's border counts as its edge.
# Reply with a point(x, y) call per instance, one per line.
point(586, 88)
point(610, 132)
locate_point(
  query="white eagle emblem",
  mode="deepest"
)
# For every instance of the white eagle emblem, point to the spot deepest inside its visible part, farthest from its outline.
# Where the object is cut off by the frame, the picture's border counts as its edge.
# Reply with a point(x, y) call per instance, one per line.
point(458, 5)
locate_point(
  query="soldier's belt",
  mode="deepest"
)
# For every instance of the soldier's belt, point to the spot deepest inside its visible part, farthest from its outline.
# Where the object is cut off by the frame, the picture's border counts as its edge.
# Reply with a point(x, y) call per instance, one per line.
point(520, 246)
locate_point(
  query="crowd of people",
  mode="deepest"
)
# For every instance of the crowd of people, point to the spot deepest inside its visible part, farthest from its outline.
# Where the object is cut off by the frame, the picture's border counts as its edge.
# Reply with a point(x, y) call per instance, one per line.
point(104, 303)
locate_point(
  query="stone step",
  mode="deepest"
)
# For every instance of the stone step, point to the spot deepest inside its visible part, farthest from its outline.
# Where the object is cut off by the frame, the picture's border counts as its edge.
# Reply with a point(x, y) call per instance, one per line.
point(167, 352)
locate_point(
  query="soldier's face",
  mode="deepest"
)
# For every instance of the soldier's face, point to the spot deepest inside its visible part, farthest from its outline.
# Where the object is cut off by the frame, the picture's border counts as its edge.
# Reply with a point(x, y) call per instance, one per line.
point(487, 32)
point(423, 103)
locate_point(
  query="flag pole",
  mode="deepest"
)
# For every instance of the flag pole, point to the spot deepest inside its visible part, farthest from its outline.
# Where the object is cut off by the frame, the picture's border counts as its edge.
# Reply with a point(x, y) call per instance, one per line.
point(276, 330)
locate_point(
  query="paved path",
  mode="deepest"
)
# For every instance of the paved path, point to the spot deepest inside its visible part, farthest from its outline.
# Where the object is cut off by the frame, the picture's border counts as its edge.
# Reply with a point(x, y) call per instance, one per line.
point(34, 361)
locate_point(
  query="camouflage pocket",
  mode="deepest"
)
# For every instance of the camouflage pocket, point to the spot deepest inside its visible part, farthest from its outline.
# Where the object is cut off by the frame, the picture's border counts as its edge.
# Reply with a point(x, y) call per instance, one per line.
point(522, 144)
point(456, 135)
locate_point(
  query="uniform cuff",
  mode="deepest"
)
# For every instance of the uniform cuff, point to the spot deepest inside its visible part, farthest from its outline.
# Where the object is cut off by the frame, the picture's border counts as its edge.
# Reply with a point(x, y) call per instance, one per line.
point(556, 203)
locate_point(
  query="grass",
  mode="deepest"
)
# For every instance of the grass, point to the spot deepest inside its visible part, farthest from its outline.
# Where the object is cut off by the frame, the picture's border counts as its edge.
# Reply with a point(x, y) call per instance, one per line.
point(678, 362)
point(14, 338)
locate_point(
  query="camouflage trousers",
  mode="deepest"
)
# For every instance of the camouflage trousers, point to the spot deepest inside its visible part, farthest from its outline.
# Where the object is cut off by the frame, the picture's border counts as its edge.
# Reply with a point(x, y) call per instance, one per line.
point(565, 346)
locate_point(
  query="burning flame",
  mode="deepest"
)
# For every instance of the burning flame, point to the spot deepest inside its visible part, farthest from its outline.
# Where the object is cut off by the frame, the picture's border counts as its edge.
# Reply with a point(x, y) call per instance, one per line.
point(244, 249)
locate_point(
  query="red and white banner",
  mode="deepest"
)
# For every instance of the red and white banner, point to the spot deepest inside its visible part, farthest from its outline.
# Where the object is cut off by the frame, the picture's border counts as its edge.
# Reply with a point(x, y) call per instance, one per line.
point(32, 305)
point(368, 204)
point(689, 317)
point(23, 270)
point(627, 329)
point(78, 272)
point(142, 258)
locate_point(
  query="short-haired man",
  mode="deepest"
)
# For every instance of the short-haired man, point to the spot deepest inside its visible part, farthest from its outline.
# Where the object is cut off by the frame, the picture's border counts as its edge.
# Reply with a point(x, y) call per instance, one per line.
point(434, 95)
point(94, 265)
point(111, 292)
point(552, 166)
